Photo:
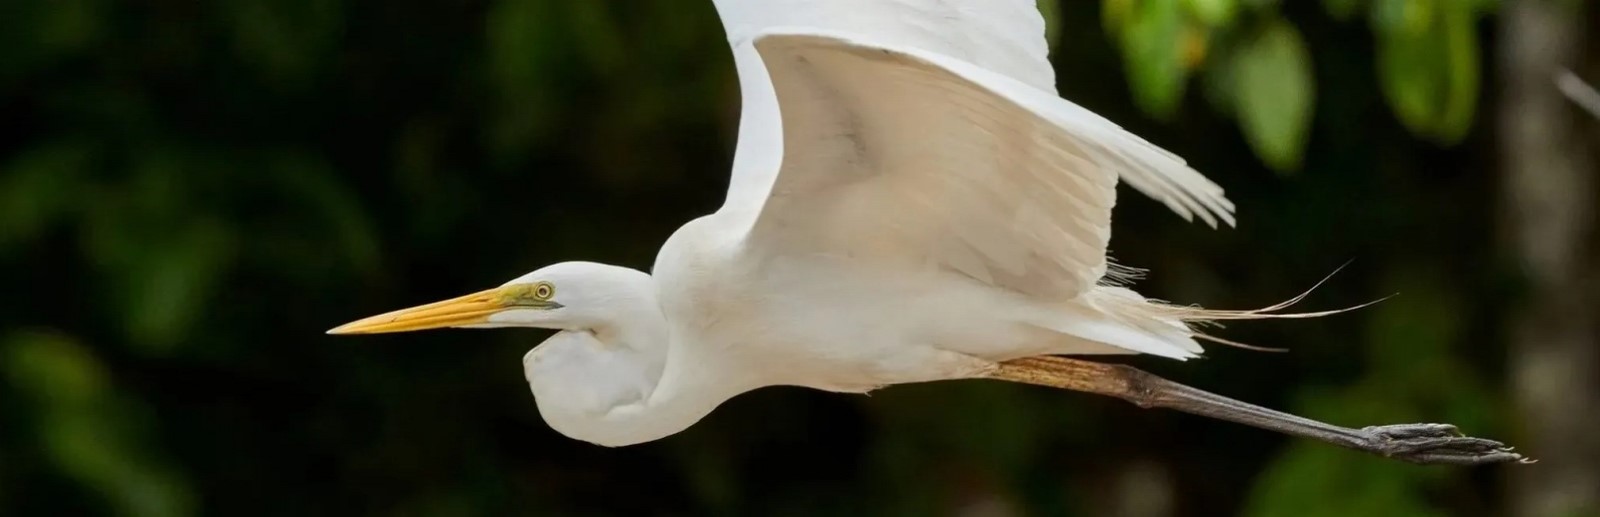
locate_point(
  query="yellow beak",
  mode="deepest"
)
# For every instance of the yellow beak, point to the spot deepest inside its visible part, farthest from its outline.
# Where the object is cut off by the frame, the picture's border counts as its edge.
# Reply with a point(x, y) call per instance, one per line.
point(471, 309)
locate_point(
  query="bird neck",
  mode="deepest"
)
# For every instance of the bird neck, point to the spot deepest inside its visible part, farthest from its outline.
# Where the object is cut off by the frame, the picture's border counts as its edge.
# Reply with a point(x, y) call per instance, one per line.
point(639, 327)
point(689, 390)
point(620, 398)
point(621, 378)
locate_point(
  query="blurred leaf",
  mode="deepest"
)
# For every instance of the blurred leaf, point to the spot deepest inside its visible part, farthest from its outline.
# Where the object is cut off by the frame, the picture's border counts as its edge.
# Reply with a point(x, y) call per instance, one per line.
point(1343, 10)
point(155, 237)
point(35, 32)
point(1215, 13)
point(1152, 48)
point(1318, 480)
point(1411, 17)
point(170, 286)
point(1194, 45)
point(284, 38)
point(1462, 73)
point(1274, 88)
point(67, 25)
point(1115, 16)
point(38, 188)
point(1408, 83)
point(82, 424)
point(53, 369)
point(1428, 67)
point(1049, 9)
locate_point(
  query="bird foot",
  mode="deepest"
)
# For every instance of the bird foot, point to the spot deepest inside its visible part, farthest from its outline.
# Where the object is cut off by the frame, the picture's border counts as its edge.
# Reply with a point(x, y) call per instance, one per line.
point(1436, 444)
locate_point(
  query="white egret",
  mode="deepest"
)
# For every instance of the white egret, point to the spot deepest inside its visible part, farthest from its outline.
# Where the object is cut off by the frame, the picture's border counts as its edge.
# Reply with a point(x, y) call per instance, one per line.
point(911, 201)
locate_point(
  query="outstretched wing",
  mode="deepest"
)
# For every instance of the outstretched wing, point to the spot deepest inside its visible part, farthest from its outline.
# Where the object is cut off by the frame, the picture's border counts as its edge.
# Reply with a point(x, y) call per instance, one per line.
point(902, 155)
point(1005, 36)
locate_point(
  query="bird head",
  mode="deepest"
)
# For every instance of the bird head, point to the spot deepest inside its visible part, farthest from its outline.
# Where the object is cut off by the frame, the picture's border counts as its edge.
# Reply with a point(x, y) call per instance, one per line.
point(608, 353)
point(564, 296)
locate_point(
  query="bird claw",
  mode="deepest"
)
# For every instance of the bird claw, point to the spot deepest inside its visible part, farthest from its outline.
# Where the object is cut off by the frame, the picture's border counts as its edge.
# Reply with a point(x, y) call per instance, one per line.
point(1437, 444)
point(1406, 431)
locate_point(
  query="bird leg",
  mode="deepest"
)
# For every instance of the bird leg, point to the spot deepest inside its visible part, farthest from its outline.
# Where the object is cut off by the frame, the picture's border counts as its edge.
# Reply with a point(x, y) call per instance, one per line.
point(1416, 443)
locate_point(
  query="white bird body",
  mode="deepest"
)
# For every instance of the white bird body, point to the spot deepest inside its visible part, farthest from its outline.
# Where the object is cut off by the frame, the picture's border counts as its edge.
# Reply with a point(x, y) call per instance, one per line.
point(931, 226)
point(910, 202)
point(897, 213)
point(843, 324)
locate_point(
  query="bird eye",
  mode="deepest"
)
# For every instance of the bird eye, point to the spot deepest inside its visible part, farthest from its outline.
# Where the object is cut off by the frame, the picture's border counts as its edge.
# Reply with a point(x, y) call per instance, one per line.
point(543, 291)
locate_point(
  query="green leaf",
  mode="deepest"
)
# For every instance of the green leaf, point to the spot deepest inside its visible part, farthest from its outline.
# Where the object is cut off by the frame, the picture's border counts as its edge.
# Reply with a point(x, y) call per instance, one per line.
point(1462, 73)
point(1429, 69)
point(1050, 10)
point(1408, 83)
point(156, 241)
point(1273, 94)
point(39, 188)
point(168, 289)
point(82, 425)
point(1402, 16)
point(1115, 16)
point(53, 369)
point(1213, 13)
point(1152, 49)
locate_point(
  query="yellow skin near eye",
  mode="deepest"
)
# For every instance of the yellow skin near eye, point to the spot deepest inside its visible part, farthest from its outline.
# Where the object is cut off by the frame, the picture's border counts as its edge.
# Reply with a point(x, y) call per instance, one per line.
point(540, 292)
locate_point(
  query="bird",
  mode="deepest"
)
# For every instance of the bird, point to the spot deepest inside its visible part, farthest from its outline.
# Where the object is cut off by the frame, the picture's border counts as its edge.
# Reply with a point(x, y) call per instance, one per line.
point(910, 201)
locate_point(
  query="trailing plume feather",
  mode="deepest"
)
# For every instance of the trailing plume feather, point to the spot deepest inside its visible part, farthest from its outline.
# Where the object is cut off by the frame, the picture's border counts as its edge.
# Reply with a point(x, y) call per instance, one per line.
point(1159, 317)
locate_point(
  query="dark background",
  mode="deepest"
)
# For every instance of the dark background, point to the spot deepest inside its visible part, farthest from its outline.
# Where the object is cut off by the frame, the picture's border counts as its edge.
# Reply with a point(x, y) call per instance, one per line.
point(192, 192)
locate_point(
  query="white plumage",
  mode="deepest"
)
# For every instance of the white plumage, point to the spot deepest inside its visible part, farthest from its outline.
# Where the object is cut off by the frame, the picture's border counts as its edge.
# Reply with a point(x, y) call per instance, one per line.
point(1005, 36)
point(910, 201)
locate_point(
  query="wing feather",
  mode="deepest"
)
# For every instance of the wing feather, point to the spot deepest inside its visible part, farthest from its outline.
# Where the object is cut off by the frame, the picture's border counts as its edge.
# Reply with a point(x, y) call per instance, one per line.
point(889, 157)
point(908, 156)
point(1007, 36)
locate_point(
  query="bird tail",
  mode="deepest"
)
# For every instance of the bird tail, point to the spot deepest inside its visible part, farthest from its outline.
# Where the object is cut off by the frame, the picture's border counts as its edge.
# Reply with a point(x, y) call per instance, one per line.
point(1136, 310)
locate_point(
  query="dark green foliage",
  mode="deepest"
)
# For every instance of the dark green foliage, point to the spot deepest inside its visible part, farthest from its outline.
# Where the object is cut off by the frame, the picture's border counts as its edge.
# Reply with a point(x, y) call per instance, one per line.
point(1428, 61)
point(191, 192)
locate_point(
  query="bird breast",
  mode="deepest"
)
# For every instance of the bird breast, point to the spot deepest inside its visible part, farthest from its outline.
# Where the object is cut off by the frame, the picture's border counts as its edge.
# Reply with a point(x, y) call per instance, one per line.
point(827, 322)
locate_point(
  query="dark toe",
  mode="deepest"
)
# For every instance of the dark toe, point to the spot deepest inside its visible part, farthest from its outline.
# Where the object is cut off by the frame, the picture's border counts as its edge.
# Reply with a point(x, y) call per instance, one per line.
point(1465, 458)
point(1437, 444)
point(1406, 431)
